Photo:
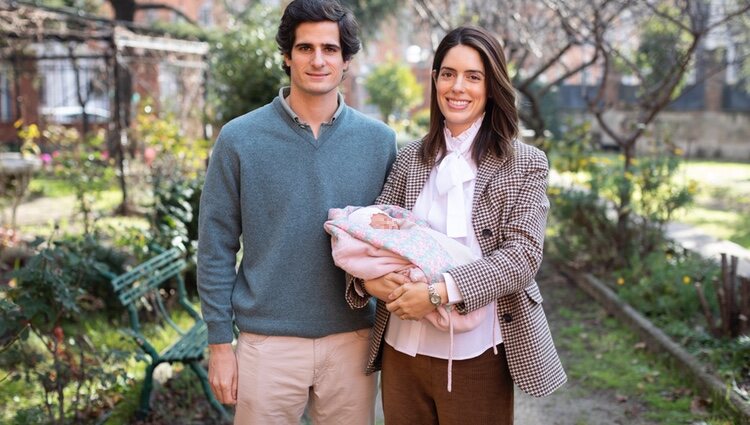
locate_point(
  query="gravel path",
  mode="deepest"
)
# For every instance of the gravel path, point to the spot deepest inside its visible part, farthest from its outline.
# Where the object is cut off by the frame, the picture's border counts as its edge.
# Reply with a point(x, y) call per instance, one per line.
point(44, 210)
point(573, 404)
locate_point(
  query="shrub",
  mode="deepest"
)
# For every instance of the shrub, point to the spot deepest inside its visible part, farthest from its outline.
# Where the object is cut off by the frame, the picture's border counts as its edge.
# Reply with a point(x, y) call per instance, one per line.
point(586, 213)
point(85, 165)
point(661, 284)
point(41, 311)
point(175, 219)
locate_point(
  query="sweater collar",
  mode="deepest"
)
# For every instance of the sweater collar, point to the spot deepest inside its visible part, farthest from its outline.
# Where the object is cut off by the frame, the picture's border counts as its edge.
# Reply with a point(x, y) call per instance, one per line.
point(284, 92)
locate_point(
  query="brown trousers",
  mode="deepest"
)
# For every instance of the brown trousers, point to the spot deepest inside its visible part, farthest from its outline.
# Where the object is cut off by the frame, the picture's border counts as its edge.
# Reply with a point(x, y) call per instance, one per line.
point(415, 389)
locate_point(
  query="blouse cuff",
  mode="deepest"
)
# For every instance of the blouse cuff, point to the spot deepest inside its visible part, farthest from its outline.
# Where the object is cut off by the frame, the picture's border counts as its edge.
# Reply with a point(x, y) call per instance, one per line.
point(454, 294)
point(359, 287)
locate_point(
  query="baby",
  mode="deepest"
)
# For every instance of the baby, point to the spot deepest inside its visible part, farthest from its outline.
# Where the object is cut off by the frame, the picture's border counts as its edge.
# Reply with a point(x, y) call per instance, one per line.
point(408, 246)
point(370, 242)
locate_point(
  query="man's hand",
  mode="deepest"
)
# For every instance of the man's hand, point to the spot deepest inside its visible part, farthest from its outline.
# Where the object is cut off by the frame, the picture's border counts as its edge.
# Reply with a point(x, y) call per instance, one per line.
point(222, 372)
point(381, 287)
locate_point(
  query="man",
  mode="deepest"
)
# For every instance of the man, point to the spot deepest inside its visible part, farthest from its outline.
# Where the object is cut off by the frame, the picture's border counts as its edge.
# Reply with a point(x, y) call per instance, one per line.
point(273, 175)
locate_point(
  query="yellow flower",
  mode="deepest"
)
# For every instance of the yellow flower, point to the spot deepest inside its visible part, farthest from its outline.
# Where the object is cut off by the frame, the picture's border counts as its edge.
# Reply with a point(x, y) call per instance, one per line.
point(686, 280)
point(669, 256)
point(678, 151)
point(692, 187)
point(620, 281)
point(18, 123)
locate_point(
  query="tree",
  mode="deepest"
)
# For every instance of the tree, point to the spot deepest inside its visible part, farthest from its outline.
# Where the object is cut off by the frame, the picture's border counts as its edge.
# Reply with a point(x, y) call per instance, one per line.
point(538, 37)
point(393, 89)
point(246, 70)
point(667, 45)
point(125, 12)
point(370, 13)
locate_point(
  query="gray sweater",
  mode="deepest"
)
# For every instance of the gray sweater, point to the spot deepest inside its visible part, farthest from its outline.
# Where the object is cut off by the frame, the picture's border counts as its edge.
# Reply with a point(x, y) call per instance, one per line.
point(271, 183)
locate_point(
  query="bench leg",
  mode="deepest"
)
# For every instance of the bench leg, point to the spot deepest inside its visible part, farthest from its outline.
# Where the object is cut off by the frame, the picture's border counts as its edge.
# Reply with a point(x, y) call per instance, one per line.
point(148, 385)
point(203, 376)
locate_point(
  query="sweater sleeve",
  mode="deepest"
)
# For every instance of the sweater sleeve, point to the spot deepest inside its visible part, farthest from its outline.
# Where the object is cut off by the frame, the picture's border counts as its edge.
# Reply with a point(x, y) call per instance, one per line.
point(219, 240)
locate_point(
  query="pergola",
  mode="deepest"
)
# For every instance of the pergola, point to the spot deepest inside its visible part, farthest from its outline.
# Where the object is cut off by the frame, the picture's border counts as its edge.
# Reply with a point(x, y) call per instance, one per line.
point(112, 63)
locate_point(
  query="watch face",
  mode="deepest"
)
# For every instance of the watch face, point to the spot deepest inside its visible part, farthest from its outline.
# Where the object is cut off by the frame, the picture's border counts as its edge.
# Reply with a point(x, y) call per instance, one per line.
point(435, 299)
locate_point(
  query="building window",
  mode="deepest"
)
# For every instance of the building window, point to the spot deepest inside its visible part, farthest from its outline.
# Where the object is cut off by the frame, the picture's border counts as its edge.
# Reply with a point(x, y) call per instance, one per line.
point(205, 16)
point(5, 98)
point(59, 94)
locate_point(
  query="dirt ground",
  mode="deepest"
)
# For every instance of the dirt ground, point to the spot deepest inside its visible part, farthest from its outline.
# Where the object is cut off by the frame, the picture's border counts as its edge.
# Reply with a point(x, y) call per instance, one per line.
point(573, 404)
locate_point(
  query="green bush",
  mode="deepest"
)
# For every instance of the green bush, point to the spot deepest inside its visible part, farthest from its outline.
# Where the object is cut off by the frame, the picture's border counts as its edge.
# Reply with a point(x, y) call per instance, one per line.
point(661, 284)
point(42, 310)
point(85, 165)
point(394, 89)
point(586, 213)
point(175, 219)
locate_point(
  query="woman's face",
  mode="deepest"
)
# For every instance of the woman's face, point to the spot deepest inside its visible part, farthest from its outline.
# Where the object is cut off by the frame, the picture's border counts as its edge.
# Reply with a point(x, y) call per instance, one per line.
point(461, 88)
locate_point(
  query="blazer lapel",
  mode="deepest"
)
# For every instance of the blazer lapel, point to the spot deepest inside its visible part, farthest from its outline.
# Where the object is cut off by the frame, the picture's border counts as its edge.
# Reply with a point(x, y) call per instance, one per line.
point(487, 169)
point(415, 180)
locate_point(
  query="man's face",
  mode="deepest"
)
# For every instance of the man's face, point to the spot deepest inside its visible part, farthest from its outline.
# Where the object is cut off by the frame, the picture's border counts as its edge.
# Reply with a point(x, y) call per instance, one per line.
point(316, 61)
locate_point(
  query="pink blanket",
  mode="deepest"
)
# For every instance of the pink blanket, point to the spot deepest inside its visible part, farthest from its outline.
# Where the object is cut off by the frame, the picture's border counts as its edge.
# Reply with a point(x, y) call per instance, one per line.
point(415, 250)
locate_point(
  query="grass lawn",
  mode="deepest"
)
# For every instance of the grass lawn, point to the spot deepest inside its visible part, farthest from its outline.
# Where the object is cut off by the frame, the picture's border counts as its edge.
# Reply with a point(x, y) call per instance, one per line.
point(607, 356)
point(49, 187)
point(722, 203)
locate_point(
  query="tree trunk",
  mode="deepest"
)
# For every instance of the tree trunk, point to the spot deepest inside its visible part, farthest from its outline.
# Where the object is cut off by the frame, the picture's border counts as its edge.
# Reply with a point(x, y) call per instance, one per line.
point(623, 239)
point(124, 9)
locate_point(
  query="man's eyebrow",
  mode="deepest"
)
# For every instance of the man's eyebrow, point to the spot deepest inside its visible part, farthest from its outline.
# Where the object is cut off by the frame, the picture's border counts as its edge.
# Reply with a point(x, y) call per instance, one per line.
point(326, 45)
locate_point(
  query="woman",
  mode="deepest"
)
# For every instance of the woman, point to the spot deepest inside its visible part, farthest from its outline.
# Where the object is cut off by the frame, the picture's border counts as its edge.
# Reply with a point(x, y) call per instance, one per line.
point(471, 179)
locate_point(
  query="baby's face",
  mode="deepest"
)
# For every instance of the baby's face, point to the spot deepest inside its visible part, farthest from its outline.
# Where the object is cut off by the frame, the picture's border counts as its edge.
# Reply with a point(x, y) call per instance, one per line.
point(382, 221)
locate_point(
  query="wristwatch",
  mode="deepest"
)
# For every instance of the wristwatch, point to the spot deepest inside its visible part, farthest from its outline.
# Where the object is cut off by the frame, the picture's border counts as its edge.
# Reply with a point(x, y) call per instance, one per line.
point(434, 296)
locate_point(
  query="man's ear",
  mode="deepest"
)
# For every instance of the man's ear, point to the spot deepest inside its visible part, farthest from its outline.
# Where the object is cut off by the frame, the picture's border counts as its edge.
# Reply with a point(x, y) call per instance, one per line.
point(287, 59)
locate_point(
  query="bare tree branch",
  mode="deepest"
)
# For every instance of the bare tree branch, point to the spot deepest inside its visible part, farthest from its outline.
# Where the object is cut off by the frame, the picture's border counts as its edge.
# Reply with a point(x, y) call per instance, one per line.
point(164, 6)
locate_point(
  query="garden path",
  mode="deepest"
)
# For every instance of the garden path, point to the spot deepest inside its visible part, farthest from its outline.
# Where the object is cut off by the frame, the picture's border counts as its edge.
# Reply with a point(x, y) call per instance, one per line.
point(708, 246)
point(574, 403)
point(43, 210)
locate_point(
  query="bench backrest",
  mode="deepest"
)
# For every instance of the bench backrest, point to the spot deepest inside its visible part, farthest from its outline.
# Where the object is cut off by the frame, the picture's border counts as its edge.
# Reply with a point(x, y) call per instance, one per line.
point(148, 276)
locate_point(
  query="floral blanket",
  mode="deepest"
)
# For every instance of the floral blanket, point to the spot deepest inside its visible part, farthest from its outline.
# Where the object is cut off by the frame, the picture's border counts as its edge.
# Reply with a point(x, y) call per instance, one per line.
point(414, 249)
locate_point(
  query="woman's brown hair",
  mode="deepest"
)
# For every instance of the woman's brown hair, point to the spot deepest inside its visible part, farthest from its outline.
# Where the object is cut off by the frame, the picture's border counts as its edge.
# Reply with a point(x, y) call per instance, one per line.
point(500, 124)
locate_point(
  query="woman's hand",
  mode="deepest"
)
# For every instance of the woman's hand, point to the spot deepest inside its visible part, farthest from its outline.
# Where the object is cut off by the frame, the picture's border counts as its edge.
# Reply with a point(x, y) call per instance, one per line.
point(383, 286)
point(410, 301)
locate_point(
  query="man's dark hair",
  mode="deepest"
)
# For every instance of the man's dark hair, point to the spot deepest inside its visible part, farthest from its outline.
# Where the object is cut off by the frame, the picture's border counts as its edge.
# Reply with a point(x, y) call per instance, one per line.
point(300, 11)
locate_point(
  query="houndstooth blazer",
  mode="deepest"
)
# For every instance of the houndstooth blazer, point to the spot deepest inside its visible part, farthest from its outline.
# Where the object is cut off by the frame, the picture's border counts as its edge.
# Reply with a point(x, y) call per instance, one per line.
point(509, 215)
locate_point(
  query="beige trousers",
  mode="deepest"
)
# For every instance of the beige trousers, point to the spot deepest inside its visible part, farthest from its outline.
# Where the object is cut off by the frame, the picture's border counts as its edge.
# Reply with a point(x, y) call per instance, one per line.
point(279, 376)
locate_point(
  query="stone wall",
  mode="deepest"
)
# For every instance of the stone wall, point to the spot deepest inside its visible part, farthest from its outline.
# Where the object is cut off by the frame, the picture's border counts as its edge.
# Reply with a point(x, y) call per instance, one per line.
point(703, 134)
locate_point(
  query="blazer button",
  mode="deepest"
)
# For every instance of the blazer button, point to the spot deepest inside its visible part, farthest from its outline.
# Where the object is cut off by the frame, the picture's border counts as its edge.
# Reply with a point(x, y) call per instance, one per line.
point(507, 318)
point(486, 233)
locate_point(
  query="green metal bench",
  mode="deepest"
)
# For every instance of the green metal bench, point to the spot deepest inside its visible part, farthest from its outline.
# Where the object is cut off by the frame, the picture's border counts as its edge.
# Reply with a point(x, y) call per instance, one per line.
point(144, 282)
